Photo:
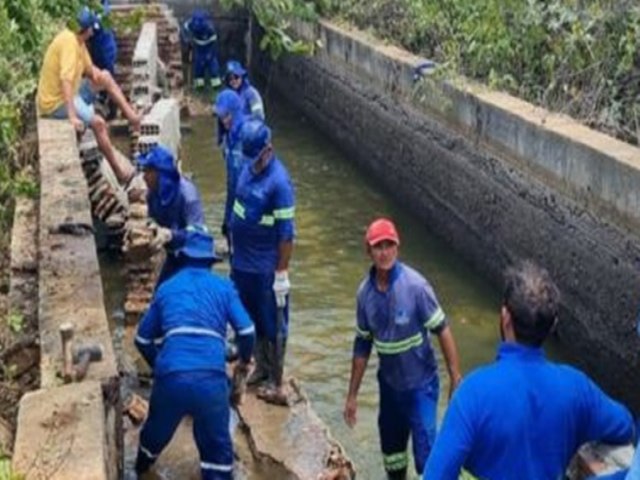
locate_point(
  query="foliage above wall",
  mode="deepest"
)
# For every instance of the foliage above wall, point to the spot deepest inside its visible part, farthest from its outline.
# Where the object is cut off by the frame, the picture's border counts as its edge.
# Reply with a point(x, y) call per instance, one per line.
point(580, 57)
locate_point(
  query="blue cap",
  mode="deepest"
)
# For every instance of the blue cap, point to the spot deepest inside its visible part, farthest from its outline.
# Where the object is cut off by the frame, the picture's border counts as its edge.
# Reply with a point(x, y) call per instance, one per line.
point(159, 158)
point(87, 19)
point(199, 244)
point(235, 68)
point(228, 102)
point(255, 136)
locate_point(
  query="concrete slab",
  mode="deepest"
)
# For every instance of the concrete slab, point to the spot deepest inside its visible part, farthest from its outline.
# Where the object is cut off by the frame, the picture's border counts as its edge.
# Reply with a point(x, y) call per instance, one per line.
point(61, 434)
point(70, 286)
point(293, 437)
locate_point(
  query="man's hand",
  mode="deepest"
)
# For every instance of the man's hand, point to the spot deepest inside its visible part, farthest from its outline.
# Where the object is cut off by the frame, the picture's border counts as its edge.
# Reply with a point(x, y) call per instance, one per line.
point(136, 188)
point(161, 238)
point(281, 287)
point(453, 384)
point(350, 410)
point(239, 383)
point(77, 123)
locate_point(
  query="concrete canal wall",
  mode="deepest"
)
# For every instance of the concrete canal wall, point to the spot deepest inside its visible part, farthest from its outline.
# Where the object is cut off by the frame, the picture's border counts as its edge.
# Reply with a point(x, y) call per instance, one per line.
point(68, 431)
point(495, 177)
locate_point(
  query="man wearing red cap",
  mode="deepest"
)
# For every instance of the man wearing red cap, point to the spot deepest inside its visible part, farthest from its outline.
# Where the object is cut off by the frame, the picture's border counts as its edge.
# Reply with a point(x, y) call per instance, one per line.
point(397, 310)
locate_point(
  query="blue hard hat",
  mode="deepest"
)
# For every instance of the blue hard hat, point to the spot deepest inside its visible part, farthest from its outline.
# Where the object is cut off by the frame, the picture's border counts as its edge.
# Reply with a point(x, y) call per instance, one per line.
point(86, 18)
point(228, 102)
point(159, 158)
point(199, 244)
point(255, 136)
point(235, 68)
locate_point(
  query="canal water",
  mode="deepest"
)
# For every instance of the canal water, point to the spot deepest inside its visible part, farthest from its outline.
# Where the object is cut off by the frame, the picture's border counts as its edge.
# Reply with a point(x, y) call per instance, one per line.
point(335, 202)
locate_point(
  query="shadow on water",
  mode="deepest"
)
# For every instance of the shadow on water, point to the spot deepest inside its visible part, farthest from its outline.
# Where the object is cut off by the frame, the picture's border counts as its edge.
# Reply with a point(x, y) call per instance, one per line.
point(335, 202)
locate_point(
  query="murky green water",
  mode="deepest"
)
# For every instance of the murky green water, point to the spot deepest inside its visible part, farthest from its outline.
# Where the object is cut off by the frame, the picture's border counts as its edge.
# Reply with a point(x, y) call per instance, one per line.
point(335, 202)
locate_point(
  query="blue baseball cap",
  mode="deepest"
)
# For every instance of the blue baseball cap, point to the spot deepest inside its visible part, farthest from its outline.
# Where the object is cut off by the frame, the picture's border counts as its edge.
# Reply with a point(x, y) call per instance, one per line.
point(199, 244)
point(228, 102)
point(235, 68)
point(159, 158)
point(86, 18)
point(255, 136)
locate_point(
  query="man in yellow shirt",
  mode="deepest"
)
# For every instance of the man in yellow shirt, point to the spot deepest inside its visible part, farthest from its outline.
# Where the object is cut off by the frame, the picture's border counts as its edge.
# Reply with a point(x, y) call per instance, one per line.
point(64, 93)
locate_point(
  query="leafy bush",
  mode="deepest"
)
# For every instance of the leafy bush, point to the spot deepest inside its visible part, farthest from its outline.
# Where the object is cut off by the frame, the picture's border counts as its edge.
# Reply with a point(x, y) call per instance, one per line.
point(275, 16)
point(580, 57)
point(26, 27)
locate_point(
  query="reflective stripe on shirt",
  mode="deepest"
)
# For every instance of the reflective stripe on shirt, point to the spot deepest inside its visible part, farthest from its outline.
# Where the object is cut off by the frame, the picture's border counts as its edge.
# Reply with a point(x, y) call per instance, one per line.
point(401, 346)
point(435, 320)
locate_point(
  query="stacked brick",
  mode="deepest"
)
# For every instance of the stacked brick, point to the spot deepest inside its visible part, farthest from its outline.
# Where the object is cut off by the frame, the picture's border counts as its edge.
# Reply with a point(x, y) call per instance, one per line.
point(144, 78)
point(161, 126)
point(108, 202)
point(168, 35)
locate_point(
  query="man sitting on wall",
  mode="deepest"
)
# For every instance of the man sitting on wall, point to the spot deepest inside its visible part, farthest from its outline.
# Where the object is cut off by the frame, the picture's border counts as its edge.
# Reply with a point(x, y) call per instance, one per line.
point(63, 93)
point(522, 416)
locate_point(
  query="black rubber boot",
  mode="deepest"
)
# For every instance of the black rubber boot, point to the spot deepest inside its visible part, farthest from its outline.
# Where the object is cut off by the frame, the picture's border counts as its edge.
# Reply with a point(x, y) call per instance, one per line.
point(397, 474)
point(260, 373)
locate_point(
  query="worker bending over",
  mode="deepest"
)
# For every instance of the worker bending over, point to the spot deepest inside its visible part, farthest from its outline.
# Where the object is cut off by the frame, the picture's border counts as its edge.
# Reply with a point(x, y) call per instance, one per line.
point(182, 337)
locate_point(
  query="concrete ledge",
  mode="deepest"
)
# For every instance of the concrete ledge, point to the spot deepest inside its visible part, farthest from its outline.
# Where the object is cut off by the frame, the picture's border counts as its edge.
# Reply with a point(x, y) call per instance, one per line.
point(70, 287)
point(62, 435)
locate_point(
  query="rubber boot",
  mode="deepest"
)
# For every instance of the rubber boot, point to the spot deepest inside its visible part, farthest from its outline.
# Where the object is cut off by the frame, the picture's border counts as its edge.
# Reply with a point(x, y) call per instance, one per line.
point(397, 474)
point(260, 374)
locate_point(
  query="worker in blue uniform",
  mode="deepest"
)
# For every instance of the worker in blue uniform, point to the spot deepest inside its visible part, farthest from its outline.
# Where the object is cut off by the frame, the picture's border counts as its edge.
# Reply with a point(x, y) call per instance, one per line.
point(237, 79)
point(201, 34)
point(522, 416)
point(397, 311)
point(102, 44)
point(104, 52)
point(228, 110)
point(262, 229)
point(182, 337)
point(173, 202)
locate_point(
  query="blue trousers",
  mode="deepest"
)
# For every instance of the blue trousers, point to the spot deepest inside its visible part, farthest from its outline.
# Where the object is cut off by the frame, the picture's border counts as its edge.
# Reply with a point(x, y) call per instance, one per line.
point(404, 413)
point(205, 61)
point(256, 294)
point(204, 395)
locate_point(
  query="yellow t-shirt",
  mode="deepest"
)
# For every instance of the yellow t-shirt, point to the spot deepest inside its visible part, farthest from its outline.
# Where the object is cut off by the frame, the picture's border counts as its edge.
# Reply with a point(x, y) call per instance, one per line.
point(66, 59)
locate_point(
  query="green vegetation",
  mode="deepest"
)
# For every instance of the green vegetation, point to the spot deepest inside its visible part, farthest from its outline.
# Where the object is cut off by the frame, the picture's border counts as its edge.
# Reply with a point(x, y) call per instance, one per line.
point(26, 26)
point(275, 16)
point(580, 57)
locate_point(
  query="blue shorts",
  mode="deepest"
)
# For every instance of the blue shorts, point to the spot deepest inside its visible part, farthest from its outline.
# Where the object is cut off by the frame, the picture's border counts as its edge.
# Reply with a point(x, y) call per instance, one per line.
point(83, 103)
point(404, 413)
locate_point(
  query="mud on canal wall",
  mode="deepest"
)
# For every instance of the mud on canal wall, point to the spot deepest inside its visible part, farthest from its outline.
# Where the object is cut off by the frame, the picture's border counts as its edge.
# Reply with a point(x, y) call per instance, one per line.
point(495, 177)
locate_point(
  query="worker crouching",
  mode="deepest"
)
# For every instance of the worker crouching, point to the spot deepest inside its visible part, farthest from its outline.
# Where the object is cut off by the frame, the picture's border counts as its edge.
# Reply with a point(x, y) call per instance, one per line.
point(182, 337)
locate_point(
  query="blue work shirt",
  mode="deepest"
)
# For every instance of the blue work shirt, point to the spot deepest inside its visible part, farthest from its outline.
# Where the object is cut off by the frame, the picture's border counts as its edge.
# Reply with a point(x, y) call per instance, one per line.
point(263, 213)
point(179, 207)
point(185, 328)
point(251, 100)
point(523, 417)
point(234, 161)
point(398, 323)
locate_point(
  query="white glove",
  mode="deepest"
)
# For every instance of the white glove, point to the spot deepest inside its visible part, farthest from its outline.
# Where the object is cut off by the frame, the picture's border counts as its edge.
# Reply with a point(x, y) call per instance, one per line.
point(161, 238)
point(281, 287)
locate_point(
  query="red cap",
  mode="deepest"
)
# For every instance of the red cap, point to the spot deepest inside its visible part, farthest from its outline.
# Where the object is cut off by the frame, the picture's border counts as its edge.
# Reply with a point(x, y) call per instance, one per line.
point(382, 229)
